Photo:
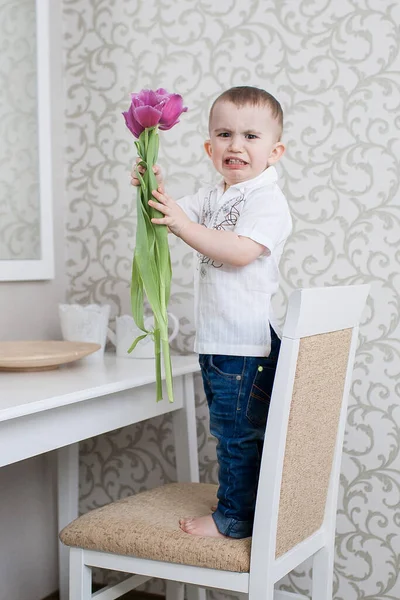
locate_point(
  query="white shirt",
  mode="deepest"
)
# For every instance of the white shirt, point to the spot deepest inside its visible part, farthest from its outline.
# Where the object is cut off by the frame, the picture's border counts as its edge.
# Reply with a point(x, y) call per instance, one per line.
point(232, 304)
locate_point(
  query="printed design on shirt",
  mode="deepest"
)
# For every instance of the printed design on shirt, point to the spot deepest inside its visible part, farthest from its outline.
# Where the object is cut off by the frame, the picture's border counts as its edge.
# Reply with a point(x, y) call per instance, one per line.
point(225, 218)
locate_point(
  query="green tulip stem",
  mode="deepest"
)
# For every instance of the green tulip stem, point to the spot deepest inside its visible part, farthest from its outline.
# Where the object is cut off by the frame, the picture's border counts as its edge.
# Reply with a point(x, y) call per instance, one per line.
point(151, 266)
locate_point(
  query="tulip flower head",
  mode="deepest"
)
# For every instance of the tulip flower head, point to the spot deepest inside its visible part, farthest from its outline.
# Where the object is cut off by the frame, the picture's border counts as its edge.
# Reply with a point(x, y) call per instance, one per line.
point(150, 108)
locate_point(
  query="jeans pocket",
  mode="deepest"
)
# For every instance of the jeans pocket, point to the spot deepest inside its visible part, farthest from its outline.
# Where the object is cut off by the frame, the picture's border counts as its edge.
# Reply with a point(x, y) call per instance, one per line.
point(260, 396)
point(227, 366)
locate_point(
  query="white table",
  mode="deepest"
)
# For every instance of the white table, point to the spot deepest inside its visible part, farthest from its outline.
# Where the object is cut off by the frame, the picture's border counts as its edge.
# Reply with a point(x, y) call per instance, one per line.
point(55, 410)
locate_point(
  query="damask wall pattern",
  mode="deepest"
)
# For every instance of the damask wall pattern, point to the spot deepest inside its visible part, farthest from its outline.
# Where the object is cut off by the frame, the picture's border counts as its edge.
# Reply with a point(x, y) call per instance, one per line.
point(335, 67)
point(19, 186)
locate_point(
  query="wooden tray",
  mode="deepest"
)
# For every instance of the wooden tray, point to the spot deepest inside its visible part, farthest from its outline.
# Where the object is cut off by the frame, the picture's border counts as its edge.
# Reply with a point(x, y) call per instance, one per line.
point(42, 355)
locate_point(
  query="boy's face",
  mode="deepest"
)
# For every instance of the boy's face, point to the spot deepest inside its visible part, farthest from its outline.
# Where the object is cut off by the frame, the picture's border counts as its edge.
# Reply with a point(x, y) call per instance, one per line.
point(243, 141)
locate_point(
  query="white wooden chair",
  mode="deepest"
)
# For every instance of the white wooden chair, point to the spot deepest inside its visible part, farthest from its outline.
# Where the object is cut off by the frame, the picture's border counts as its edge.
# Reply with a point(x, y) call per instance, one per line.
point(298, 486)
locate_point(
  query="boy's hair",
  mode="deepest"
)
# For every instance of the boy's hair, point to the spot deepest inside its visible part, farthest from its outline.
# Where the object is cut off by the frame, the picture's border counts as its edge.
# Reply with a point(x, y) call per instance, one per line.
point(244, 94)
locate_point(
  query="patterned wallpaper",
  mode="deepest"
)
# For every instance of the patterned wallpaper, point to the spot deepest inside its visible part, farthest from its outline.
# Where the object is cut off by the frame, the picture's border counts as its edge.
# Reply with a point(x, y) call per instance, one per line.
point(19, 193)
point(334, 65)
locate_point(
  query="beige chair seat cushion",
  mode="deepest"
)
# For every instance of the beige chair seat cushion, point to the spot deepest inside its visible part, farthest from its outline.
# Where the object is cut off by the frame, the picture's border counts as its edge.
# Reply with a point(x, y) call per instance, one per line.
point(146, 525)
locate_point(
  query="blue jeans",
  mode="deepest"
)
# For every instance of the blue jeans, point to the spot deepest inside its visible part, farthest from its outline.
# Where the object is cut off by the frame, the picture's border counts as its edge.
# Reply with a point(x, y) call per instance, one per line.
point(238, 391)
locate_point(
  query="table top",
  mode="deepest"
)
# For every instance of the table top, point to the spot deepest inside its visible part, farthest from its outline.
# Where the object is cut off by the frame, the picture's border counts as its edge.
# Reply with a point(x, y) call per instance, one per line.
point(26, 393)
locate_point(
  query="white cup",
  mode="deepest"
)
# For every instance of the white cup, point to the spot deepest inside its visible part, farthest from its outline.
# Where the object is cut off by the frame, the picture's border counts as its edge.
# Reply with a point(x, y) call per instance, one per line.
point(126, 331)
point(85, 324)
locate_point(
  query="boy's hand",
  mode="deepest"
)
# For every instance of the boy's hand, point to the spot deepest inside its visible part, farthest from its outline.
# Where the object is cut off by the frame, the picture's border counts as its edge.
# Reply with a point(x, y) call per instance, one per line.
point(156, 170)
point(174, 217)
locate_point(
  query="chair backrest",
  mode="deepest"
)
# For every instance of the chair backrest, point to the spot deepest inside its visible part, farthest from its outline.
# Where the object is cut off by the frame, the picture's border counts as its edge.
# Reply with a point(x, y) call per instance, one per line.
point(299, 477)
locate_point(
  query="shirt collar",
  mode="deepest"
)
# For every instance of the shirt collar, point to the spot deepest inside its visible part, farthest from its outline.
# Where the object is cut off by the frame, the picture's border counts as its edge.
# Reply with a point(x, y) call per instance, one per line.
point(266, 177)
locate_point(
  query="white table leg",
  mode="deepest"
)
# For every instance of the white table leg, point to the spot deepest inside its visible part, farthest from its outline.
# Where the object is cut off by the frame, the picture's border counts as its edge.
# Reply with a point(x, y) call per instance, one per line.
point(185, 435)
point(187, 459)
point(68, 498)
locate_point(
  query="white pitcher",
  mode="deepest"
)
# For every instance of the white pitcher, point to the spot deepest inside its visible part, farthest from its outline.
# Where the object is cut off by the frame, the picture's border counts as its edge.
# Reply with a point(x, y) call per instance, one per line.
point(126, 332)
point(85, 324)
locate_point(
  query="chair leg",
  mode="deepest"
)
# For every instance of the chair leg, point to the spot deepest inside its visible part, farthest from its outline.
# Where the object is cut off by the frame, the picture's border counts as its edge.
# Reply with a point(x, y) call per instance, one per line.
point(193, 592)
point(322, 574)
point(80, 576)
point(257, 592)
point(175, 590)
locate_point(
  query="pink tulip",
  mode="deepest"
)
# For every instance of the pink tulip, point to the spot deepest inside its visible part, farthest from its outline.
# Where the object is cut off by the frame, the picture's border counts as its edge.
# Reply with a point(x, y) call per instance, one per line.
point(149, 108)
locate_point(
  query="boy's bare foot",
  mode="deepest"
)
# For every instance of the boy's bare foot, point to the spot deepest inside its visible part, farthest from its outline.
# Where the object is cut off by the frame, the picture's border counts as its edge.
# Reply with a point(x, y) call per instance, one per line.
point(204, 526)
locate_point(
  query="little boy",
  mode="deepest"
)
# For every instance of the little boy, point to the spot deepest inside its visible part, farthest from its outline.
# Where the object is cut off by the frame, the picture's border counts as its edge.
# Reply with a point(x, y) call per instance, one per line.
point(239, 228)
